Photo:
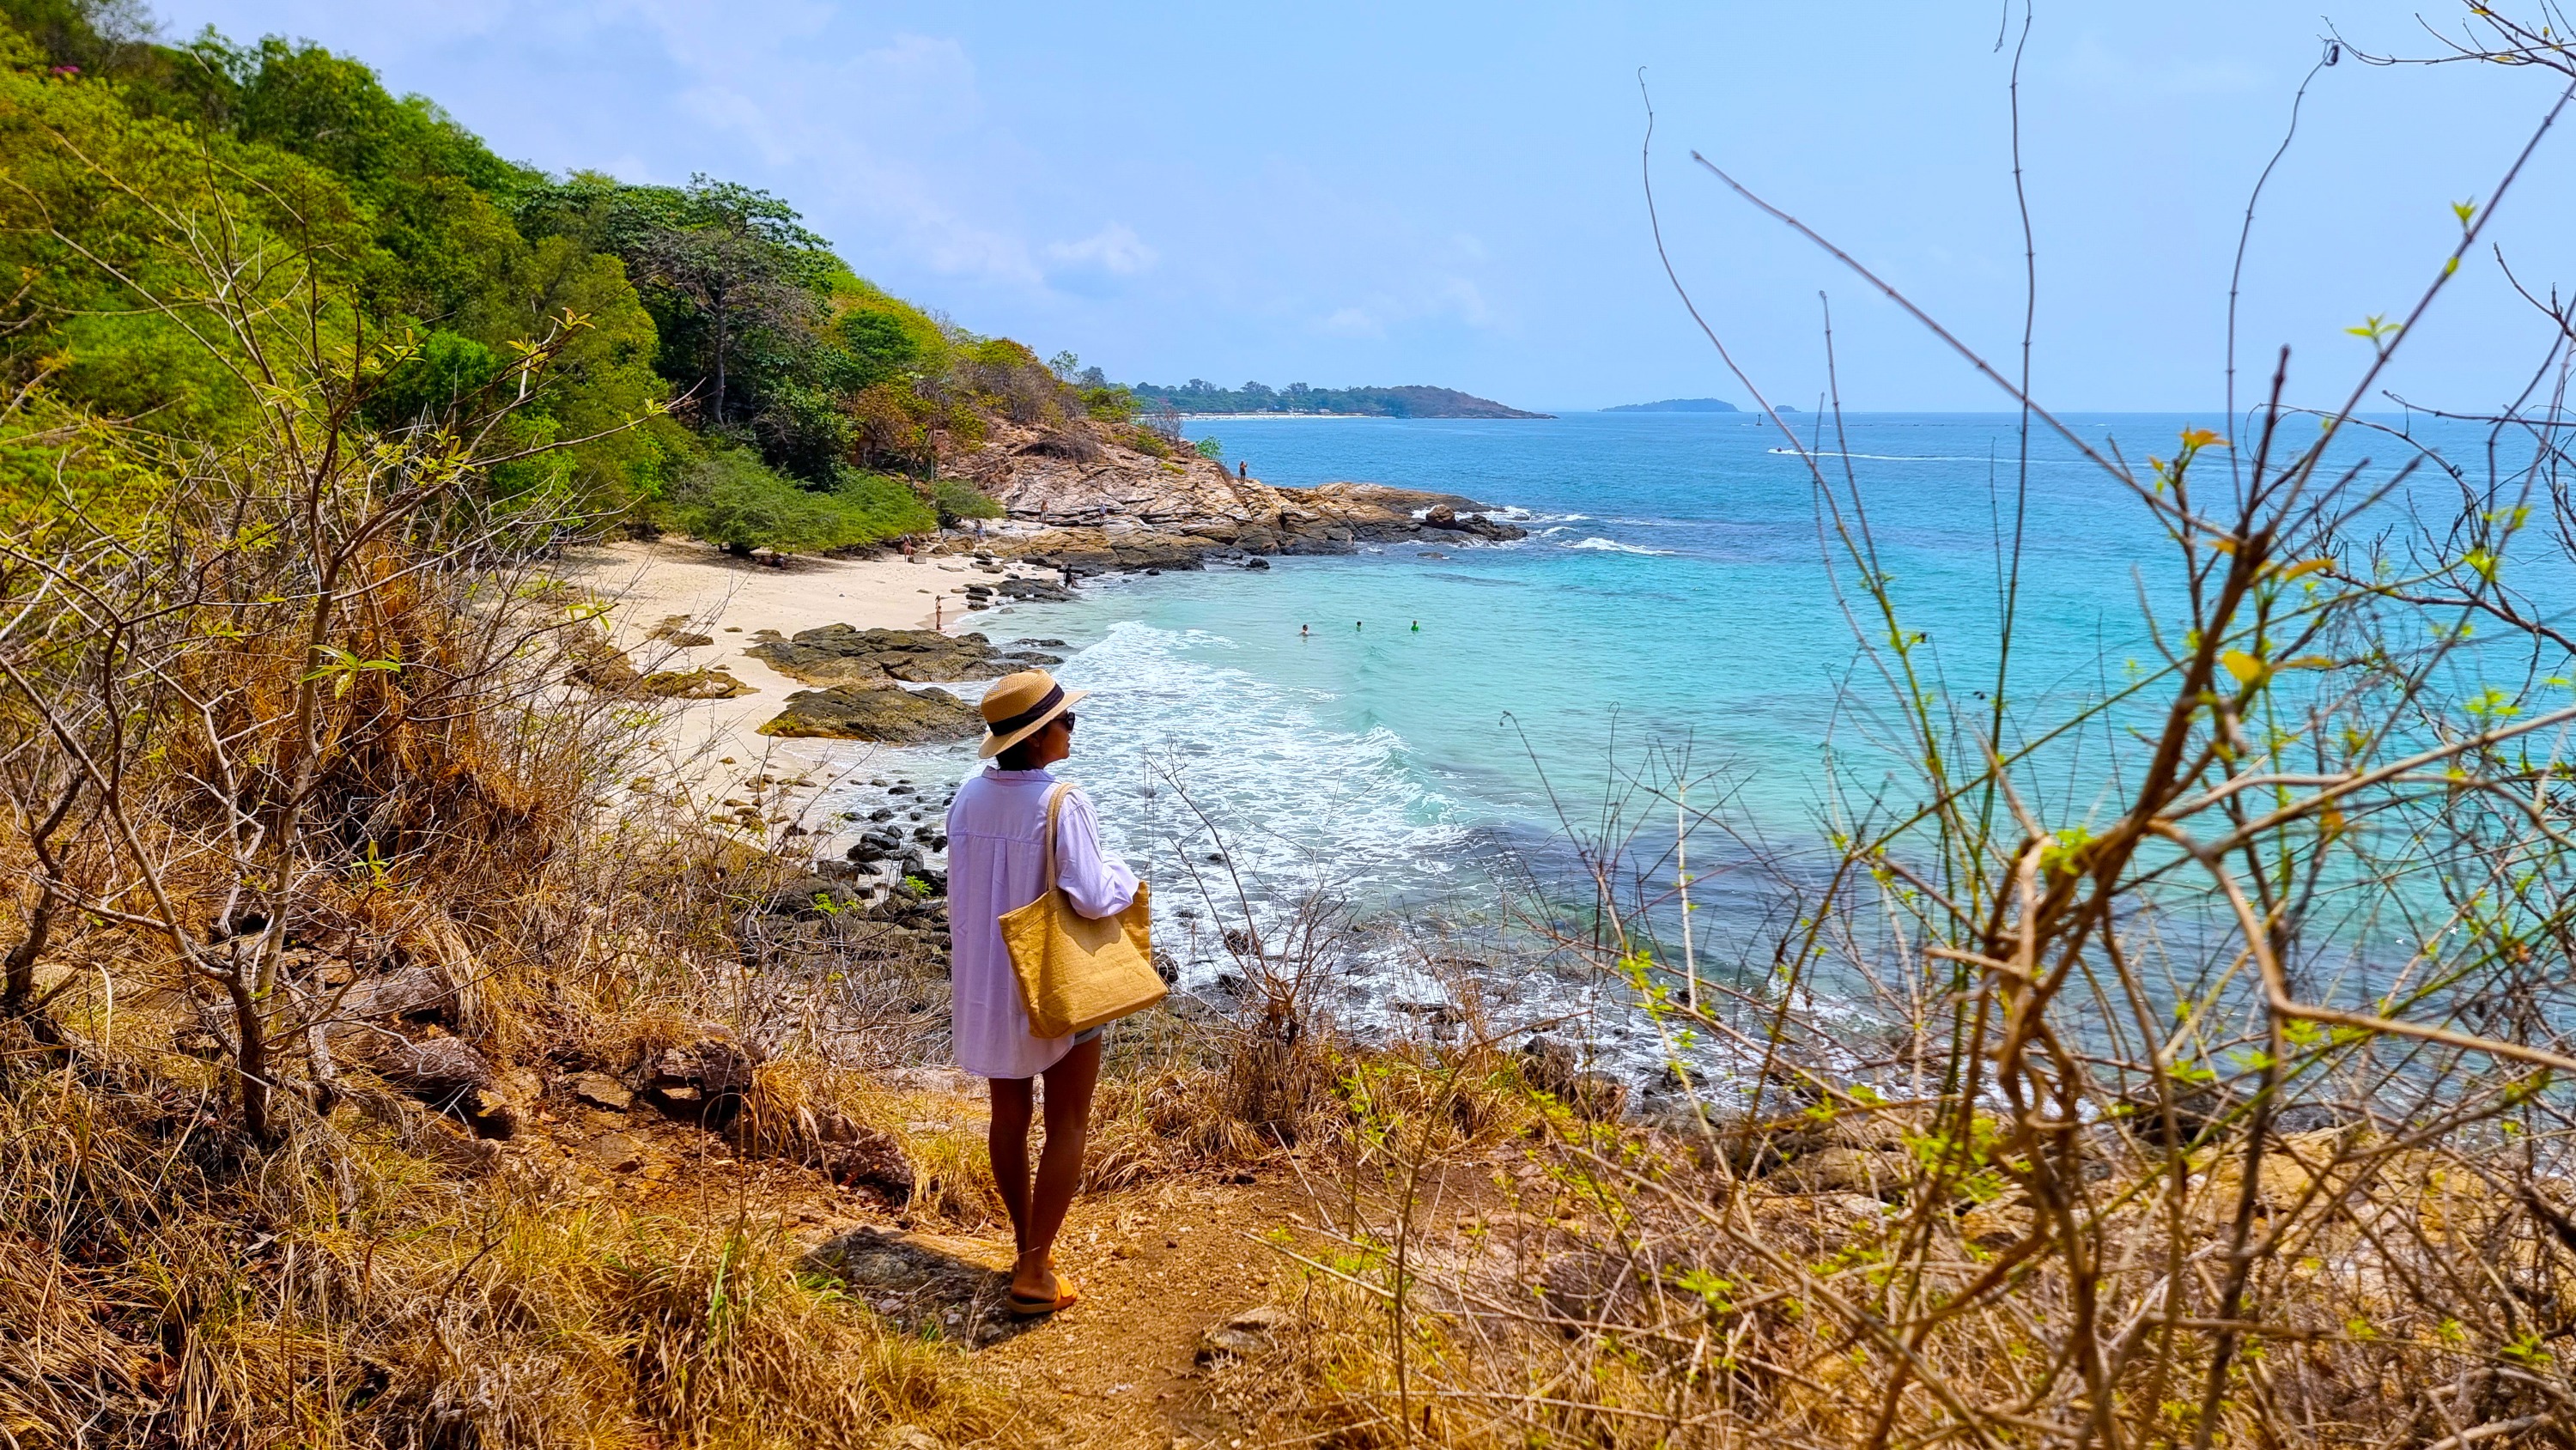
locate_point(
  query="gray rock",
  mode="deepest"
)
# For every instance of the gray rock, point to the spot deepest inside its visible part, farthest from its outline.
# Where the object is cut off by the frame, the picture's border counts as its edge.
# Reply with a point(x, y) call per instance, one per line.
point(439, 1071)
point(412, 993)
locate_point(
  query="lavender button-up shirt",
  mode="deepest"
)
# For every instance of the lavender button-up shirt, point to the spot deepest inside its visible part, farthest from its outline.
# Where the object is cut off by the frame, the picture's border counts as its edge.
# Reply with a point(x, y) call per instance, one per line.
point(997, 863)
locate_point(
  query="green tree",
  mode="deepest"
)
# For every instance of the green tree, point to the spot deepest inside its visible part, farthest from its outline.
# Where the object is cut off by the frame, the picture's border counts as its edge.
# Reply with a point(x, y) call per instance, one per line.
point(747, 278)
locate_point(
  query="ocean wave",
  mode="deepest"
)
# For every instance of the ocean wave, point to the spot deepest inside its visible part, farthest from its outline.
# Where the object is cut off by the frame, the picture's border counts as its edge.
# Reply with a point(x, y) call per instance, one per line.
point(1174, 745)
point(1614, 546)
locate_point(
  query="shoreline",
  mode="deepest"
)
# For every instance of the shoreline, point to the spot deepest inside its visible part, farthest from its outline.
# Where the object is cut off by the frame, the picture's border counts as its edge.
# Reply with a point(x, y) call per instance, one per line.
point(712, 749)
point(688, 607)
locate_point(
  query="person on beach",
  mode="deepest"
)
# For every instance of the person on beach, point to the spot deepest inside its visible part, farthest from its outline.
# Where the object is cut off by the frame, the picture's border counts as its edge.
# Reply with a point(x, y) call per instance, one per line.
point(996, 864)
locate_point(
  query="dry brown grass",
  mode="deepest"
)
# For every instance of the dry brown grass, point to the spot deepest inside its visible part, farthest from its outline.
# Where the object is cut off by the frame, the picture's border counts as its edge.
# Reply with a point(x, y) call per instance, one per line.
point(165, 1286)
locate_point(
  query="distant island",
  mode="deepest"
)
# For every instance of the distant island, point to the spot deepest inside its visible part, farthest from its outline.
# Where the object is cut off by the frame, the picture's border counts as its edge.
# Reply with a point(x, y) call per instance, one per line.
point(1414, 401)
point(1676, 405)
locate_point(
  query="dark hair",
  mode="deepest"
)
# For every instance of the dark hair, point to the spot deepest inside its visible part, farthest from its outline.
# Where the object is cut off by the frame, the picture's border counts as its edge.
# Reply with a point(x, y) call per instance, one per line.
point(1023, 756)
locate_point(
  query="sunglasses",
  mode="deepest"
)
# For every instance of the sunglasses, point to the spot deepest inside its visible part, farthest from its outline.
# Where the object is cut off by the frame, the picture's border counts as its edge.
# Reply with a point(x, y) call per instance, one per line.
point(1067, 718)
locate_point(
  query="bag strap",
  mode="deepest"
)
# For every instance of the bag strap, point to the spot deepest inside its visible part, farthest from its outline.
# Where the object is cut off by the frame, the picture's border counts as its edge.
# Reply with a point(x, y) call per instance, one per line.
point(1055, 805)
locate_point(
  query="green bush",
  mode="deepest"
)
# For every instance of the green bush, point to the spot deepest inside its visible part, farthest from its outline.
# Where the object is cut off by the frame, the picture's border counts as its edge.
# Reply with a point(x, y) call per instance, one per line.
point(956, 500)
point(885, 504)
point(1110, 403)
point(1211, 450)
point(731, 498)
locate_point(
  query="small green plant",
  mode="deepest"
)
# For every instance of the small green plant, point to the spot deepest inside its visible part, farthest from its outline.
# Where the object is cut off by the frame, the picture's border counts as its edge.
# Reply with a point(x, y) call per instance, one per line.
point(1211, 450)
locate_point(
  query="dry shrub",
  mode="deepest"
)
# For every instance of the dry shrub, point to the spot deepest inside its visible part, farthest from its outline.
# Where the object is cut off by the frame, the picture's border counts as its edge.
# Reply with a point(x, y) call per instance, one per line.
point(345, 1291)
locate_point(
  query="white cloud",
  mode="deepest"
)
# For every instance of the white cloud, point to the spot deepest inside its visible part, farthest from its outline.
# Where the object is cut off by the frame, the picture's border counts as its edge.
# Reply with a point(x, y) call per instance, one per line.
point(1115, 249)
point(1437, 297)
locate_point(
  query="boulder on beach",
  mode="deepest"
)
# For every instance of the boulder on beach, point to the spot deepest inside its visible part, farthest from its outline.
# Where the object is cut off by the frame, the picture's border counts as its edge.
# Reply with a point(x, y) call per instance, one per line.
point(693, 685)
point(838, 654)
point(593, 663)
point(676, 629)
point(887, 714)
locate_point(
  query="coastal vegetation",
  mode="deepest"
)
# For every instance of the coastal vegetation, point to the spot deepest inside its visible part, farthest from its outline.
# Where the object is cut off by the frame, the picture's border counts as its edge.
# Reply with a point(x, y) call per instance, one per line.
point(722, 372)
point(385, 1060)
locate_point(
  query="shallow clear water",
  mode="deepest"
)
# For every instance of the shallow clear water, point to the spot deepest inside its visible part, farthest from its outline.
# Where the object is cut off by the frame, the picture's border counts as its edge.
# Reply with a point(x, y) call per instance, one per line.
point(1675, 590)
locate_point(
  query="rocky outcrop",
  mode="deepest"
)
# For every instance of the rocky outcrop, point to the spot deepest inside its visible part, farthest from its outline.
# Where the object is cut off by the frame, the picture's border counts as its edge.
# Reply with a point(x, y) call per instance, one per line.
point(837, 654)
point(1119, 508)
point(887, 714)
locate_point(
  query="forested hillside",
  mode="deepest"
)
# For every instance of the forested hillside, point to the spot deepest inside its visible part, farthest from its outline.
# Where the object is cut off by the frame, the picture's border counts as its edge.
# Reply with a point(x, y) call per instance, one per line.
point(1410, 401)
point(722, 371)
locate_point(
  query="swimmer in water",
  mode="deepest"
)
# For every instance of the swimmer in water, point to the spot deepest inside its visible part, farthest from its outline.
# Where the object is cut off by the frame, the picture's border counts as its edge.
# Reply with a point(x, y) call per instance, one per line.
point(1417, 626)
point(1359, 623)
point(1305, 631)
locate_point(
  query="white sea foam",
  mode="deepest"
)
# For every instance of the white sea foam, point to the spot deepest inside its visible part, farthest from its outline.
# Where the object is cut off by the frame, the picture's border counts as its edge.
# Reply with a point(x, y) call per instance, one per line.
point(1174, 745)
point(1614, 546)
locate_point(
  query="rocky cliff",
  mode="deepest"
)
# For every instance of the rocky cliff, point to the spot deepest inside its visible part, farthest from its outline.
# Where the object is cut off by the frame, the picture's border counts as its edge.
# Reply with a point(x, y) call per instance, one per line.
point(1090, 504)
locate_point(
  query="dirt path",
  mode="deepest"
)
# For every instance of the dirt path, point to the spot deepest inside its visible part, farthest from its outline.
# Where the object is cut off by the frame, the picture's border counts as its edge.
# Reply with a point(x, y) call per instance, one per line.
point(1159, 1267)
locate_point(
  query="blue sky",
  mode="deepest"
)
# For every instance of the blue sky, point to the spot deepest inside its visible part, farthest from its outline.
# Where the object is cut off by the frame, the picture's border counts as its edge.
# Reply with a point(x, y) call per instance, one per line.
point(1342, 194)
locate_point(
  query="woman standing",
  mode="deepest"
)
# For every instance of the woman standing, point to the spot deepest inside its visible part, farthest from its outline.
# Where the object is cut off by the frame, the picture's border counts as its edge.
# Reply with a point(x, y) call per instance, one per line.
point(997, 863)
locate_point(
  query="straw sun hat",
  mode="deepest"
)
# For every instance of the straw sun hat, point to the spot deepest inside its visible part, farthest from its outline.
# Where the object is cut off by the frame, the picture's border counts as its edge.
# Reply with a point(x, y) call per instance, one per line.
point(1018, 705)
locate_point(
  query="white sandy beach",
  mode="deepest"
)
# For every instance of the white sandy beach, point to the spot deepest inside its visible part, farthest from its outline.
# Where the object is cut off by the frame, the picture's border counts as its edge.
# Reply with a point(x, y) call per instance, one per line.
point(715, 745)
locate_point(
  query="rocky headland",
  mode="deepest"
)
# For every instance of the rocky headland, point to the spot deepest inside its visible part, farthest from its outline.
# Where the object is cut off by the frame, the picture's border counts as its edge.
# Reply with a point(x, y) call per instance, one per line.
point(1089, 504)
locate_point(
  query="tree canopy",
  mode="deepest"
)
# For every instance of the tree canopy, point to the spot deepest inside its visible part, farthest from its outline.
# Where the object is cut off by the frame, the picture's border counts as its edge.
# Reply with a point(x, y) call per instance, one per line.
point(726, 373)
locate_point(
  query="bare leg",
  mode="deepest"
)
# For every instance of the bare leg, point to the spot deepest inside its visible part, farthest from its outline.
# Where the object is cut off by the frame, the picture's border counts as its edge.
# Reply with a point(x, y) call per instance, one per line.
point(1007, 1140)
point(1068, 1132)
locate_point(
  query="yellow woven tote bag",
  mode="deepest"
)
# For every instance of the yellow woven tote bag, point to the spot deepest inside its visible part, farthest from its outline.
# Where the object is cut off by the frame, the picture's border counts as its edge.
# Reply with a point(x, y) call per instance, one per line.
point(1077, 972)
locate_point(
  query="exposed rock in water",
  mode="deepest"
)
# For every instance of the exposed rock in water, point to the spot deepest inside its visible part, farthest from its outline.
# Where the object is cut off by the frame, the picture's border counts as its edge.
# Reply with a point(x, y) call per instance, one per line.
point(838, 654)
point(1035, 590)
point(713, 684)
point(890, 715)
point(1442, 516)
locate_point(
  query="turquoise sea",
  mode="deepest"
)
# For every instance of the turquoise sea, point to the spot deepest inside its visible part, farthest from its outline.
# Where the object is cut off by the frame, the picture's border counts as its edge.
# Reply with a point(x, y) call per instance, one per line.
point(1674, 593)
